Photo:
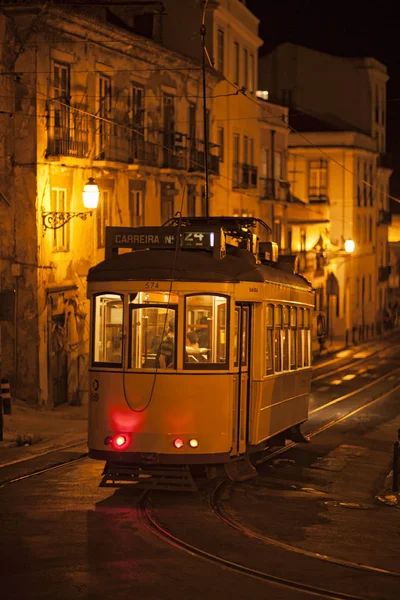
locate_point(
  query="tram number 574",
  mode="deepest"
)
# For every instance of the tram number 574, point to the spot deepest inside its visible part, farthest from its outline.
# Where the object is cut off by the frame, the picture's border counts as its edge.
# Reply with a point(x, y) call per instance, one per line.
point(151, 285)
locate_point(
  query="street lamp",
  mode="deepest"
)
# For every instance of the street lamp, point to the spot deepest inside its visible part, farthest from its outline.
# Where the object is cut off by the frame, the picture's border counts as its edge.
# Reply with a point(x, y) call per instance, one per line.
point(349, 246)
point(90, 197)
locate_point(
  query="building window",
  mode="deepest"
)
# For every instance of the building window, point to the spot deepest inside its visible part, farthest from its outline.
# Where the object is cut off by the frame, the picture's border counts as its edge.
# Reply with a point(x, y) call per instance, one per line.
point(221, 144)
point(251, 151)
point(167, 200)
point(236, 157)
point(192, 123)
point(318, 180)
point(220, 47)
point(245, 68)
point(136, 207)
point(370, 229)
point(137, 108)
point(251, 73)
point(59, 204)
point(103, 216)
point(61, 91)
point(191, 200)
point(236, 58)
point(277, 165)
point(245, 150)
point(103, 129)
point(277, 231)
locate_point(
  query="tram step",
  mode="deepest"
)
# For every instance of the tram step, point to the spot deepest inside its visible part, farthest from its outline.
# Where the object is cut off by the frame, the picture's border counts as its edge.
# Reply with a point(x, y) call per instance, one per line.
point(240, 469)
point(149, 477)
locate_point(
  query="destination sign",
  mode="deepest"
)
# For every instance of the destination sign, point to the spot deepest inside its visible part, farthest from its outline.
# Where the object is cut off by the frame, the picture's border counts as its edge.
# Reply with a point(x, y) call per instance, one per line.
point(160, 237)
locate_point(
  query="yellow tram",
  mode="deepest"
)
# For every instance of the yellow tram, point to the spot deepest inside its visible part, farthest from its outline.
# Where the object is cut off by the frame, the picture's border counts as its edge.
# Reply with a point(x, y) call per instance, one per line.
point(200, 350)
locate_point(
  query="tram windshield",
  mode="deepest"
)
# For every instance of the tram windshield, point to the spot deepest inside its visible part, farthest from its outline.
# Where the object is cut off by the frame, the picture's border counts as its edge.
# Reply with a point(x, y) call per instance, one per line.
point(206, 331)
point(108, 319)
point(152, 340)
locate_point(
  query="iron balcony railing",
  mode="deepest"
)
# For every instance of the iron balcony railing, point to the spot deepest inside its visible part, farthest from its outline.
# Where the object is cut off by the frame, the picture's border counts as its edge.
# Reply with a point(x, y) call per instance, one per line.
point(196, 157)
point(318, 194)
point(274, 189)
point(244, 175)
point(143, 152)
point(68, 132)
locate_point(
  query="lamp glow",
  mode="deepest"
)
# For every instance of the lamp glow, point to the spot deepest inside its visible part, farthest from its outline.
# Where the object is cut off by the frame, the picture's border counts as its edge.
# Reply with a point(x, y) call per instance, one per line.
point(90, 194)
point(349, 246)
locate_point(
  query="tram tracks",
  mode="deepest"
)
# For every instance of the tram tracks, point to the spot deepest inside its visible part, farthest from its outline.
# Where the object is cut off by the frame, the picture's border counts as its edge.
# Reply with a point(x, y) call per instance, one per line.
point(150, 521)
point(149, 518)
point(348, 366)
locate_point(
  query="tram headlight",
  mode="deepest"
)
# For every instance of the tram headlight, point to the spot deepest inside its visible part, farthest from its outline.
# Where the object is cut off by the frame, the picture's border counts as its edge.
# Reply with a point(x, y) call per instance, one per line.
point(178, 443)
point(193, 443)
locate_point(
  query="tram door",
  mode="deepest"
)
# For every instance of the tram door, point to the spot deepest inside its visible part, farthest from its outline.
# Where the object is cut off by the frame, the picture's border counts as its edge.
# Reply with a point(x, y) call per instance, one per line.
point(242, 360)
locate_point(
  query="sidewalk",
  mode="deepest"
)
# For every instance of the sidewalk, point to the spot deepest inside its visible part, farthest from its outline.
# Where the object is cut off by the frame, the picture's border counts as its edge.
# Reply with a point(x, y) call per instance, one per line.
point(32, 430)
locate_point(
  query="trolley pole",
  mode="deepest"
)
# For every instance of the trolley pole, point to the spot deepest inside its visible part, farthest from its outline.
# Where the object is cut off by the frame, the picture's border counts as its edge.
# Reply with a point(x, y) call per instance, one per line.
point(203, 37)
point(396, 453)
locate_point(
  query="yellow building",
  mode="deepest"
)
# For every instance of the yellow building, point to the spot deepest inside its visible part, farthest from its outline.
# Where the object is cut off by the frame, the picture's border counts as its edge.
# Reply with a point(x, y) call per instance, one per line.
point(88, 98)
point(339, 176)
point(232, 44)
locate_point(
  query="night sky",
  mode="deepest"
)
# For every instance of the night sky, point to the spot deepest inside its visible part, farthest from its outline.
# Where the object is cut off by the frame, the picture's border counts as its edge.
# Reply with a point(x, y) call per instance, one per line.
point(347, 29)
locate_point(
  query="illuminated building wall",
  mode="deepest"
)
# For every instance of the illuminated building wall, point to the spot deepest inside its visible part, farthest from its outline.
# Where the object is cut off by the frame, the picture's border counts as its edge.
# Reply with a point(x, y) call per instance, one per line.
point(339, 176)
point(232, 44)
point(88, 99)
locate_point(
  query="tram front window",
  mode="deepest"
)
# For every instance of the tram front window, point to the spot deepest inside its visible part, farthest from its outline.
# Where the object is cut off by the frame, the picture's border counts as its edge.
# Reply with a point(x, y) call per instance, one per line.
point(152, 342)
point(108, 320)
point(206, 331)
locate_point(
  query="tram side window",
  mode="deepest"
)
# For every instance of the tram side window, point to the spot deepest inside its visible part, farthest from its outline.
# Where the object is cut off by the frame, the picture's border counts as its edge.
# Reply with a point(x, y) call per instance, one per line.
point(285, 338)
point(206, 331)
point(277, 339)
point(108, 323)
point(152, 338)
point(293, 340)
point(300, 347)
point(270, 339)
point(306, 338)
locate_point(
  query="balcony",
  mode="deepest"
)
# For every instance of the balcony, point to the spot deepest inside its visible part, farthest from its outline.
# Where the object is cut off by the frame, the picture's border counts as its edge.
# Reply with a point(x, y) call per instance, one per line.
point(318, 195)
point(383, 273)
point(244, 175)
point(274, 189)
point(67, 146)
point(196, 157)
point(142, 152)
point(384, 218)
point(68, 132)
point(112, 147)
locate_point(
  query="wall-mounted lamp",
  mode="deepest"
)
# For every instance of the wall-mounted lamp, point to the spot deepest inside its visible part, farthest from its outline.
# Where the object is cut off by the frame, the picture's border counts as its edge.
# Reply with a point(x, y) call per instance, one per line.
point(349, 246)
point(90, 196)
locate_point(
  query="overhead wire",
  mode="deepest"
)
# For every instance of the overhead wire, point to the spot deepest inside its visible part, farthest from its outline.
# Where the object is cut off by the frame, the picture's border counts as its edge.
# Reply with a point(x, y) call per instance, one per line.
point(309, 142)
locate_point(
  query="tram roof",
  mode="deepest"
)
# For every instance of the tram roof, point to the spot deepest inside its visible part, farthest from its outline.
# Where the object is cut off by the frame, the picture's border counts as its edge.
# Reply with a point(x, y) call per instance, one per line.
point(192, 265)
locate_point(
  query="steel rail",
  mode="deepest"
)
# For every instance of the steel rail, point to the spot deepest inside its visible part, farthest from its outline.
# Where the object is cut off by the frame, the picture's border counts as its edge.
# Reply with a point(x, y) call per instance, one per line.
point(150, 522)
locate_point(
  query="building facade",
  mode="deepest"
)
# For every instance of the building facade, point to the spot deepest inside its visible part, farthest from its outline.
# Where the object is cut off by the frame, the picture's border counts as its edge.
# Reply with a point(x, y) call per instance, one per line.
point(232, 44)
point(83, 95)
point(339, 176)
